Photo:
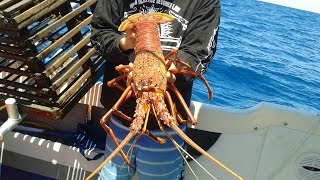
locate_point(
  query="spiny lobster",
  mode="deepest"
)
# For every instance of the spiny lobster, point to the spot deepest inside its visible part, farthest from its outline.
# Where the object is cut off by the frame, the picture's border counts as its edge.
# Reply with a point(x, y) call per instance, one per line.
point(147, 80)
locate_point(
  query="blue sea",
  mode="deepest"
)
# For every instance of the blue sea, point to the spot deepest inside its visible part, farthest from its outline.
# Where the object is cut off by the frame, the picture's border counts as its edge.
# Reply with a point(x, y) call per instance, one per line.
point(265, 53)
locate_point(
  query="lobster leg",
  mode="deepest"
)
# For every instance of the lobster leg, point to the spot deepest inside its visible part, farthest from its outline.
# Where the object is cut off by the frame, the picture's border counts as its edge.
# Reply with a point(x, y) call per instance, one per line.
point(113, 82)
point(194, 74)
point(154, 138)
point(113, 154)
point(203, 152)
point(180, 119)
point(107, 117)
point(146, 120)
point(173, 109)
point(121, 114)
point(173, 52)
point(185, 71)
point(171, 105)
point(192, 120)
point(175, 59)
point(124, 68)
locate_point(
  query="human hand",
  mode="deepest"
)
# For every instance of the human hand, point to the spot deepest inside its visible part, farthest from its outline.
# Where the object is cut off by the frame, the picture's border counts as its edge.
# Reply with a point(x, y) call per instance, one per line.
point(128, 42)
point(170, 76)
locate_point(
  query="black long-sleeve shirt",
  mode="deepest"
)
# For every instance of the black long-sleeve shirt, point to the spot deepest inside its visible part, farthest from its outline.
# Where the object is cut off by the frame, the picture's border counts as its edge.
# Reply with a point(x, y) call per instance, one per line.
point(193, 32)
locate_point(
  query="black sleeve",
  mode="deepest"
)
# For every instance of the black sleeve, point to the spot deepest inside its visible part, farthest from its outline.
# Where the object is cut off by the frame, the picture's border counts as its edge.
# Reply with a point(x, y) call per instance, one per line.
point(104, 28)
point(198, 46)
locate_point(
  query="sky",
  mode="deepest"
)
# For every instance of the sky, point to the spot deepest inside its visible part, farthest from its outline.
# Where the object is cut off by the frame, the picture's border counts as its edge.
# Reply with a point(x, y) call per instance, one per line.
point(307, 5)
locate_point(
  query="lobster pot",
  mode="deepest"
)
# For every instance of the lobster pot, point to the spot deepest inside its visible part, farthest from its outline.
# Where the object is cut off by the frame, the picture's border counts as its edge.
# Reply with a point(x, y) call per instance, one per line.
point(46, 60)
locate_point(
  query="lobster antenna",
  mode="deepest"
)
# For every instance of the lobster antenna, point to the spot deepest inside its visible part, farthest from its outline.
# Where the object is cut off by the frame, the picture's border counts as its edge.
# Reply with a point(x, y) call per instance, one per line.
point(195, 161)
point(203, 152)
point(178, 147)
point(117, 150)
point(130, 150)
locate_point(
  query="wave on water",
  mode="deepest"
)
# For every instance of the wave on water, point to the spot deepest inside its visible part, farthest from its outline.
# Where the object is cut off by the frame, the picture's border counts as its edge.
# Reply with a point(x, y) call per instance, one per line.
point(266, 53)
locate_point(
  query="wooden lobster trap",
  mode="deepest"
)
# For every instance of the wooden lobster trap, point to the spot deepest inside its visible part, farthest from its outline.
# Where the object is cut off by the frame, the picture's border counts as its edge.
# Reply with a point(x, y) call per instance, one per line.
point(46, 60)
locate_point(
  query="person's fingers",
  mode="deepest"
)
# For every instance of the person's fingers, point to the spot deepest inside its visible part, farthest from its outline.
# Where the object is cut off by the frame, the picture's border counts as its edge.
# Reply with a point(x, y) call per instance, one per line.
point(171, 77)
point(130, 34)
point(130, 39)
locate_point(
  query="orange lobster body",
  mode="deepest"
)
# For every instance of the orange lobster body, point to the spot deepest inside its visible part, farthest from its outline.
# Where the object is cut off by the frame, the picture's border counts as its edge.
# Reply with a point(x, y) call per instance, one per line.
point(149, 71)
point(147, 81)
point(149, 68)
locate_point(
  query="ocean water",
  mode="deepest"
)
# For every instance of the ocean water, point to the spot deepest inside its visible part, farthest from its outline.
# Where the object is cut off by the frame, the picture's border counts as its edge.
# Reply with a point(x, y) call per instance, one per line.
point(265, 53)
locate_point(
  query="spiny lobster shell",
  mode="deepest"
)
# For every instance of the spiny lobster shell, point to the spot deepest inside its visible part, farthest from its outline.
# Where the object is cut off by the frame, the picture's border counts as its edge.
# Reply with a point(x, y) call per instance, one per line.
point(149, 70)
